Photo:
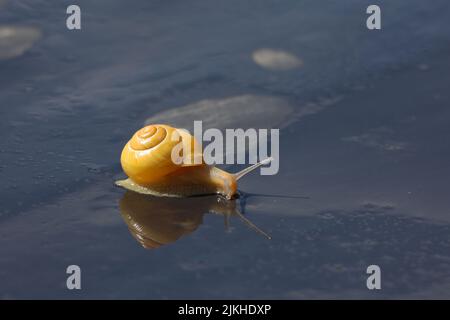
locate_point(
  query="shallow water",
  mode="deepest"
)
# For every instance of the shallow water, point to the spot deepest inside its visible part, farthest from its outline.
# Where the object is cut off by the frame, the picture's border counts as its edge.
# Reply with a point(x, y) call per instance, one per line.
point(364, 149)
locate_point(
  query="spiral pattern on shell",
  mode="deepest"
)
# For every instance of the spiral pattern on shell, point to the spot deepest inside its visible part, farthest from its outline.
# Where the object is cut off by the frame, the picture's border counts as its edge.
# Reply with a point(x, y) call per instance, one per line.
point(147, 157)
point(148, 137)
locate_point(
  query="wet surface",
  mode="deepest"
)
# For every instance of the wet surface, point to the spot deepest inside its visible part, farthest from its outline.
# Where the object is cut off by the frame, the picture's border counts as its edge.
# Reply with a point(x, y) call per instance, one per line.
point(364, 152)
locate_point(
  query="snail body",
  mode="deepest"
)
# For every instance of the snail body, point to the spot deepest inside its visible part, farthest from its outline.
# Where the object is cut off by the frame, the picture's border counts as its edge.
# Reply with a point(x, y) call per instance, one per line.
point(147, 160)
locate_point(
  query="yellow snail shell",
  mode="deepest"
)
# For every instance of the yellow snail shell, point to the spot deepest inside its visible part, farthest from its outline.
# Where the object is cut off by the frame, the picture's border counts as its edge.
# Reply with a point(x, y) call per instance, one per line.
point(147, 161)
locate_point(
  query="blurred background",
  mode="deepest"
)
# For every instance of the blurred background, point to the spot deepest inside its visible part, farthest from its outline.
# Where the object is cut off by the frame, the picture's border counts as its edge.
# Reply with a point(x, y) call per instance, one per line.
point(364, 148)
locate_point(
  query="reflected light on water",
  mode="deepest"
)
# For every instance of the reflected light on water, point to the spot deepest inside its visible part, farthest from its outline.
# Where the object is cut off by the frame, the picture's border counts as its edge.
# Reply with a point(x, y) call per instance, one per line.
point(242, 111)
point(276, 60)
point(14, 41)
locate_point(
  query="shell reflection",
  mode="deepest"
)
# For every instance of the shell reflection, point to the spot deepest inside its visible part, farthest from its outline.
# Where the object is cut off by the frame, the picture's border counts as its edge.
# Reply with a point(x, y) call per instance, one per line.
point(155, 221)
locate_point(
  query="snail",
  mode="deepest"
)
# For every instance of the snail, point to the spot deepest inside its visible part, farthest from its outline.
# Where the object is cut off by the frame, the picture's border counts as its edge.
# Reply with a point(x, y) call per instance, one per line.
point(158, 221)
point(147, 161)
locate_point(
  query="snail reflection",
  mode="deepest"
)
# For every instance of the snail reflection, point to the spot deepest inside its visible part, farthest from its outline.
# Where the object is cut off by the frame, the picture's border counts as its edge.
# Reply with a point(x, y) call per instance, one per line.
point(156, 221)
